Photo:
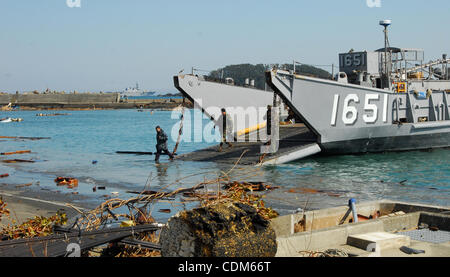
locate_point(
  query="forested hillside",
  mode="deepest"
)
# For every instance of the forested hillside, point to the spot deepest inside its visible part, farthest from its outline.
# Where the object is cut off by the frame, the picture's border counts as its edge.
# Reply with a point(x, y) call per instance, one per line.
point(240, 72)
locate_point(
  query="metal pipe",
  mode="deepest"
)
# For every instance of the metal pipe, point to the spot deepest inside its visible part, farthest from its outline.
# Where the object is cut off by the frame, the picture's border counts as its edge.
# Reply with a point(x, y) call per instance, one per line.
point(352, 205)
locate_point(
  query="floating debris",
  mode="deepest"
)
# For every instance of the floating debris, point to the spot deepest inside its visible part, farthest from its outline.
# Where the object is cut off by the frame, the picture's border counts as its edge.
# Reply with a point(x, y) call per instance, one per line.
point(18, 161)
point(66, 181)
point(24, 185)
point(331, 193)
point(16, 152)
point(4, 175)
point(8, 120)
point(29, 138)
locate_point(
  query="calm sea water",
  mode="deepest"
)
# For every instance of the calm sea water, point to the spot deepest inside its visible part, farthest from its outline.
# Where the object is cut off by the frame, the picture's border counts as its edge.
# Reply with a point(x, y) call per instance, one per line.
point(81, 137)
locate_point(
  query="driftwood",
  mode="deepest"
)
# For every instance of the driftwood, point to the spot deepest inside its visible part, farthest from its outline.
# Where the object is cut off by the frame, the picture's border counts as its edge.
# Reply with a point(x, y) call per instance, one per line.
point(139, 153)
point(15, 152)
point(29, 138)
point(221, 230)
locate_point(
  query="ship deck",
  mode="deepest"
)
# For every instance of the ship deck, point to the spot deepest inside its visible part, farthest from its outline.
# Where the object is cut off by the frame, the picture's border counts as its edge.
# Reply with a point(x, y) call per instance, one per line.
point(292, 138)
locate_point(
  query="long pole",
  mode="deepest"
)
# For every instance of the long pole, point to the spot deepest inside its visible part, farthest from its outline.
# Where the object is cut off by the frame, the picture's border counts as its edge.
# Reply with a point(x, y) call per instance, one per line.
point(385, 56)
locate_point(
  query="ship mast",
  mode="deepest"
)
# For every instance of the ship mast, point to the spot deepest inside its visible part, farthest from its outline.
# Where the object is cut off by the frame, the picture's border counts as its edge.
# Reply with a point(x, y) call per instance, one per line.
point(387, 78)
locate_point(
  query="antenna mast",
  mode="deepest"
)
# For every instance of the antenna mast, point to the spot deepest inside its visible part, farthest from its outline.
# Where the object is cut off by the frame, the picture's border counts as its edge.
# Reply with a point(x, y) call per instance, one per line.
point(387, 78)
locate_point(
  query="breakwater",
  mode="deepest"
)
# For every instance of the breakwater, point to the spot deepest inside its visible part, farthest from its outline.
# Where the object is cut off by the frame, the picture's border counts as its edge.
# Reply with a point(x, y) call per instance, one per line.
point(86, 101)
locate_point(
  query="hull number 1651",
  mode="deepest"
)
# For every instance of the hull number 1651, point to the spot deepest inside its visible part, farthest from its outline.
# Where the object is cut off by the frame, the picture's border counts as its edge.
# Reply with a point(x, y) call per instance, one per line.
point(350, 112)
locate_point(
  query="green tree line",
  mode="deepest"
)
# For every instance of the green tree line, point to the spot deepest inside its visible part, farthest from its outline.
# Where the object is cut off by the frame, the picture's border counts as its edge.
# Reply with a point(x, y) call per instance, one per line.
point(240, 72)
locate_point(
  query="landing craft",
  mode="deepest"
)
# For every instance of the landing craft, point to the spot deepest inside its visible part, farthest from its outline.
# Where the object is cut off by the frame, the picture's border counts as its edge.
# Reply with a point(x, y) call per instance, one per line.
point(380, 101)
point(246, 104)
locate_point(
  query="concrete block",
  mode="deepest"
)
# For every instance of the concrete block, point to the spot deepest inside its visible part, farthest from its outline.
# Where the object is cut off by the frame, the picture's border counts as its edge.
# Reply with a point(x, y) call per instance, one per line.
point(378, 241)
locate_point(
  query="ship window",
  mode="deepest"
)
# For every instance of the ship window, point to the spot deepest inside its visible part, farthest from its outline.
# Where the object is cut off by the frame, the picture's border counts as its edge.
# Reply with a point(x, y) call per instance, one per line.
point(422, 119)
point(378, 83)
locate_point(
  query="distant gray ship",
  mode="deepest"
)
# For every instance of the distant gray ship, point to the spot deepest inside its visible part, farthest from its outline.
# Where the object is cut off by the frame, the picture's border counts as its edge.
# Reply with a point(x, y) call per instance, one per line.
point(386, 100)
point(135, 92)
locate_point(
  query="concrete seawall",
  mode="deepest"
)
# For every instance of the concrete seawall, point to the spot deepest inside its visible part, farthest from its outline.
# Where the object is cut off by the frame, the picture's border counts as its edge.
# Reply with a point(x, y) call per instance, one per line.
point(23, 99)
point(85, 101)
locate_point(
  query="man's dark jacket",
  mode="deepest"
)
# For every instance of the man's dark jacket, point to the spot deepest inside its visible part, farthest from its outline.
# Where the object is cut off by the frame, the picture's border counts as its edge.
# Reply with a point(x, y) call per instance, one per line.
point(161, 141)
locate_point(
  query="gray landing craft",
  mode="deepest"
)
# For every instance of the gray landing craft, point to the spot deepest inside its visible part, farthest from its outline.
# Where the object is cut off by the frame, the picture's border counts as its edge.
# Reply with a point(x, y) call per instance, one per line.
point(246, 105)
point(381, 101)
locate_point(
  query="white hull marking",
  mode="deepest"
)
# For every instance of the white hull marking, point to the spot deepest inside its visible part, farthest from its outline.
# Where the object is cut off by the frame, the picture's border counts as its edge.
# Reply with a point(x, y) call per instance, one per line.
point(335, 108)
point(350, 110)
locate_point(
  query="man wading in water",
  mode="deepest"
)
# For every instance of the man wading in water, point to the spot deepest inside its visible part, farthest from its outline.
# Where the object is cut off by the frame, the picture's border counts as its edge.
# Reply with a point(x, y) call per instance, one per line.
point(225, 127)
point(161, 144)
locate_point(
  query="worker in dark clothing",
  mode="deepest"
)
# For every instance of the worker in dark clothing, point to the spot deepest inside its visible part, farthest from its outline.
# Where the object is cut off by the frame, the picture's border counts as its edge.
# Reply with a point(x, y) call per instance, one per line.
point(226, 127)
point(268, 118)
point(161, 144)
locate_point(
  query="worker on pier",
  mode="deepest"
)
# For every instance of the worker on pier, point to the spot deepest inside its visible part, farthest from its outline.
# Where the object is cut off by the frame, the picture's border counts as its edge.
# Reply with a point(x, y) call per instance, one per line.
point(161, 144)
point(226, 129)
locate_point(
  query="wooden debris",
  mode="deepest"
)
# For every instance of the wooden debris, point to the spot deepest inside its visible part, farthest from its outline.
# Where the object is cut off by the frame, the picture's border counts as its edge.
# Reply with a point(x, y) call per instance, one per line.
point(66, 181)
point(16, 152)
point(249, 186)
point(316, 191)
point(24, 185)
point(29, 138)
point(17, 161)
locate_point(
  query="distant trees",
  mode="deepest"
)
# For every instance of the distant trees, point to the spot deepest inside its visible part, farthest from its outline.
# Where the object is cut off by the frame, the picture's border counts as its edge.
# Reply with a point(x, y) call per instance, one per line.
point(240, 72)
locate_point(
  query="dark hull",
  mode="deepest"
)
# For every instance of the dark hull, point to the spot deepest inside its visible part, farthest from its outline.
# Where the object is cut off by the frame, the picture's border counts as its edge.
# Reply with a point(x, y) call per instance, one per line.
point(387, 144)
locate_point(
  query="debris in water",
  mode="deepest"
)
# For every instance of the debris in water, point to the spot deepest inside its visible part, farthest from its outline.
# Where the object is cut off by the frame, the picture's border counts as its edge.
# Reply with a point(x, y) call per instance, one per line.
point(17, 161)
point(29, 138)
point(4, 175)
point(66, 181)
point(330, 193)
point(24, 185)
point(16, 152)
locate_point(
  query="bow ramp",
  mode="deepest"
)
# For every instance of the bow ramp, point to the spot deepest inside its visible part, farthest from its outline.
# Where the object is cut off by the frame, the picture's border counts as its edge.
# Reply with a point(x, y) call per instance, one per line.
point(296, 142)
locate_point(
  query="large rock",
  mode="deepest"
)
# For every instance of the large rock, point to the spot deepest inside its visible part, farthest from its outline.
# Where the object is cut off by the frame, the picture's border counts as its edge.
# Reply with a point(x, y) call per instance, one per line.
point(221, 230)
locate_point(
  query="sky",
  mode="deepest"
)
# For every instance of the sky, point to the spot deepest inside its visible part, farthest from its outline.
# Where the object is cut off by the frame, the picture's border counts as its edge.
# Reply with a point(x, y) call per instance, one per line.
point(108, 45)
